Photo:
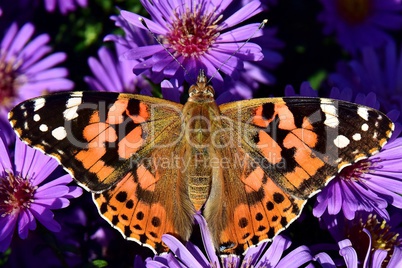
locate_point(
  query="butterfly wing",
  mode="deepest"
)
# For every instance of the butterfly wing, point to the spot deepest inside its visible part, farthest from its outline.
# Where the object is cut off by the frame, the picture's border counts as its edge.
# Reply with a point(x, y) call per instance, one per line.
point(287, 149)
point(107, 141)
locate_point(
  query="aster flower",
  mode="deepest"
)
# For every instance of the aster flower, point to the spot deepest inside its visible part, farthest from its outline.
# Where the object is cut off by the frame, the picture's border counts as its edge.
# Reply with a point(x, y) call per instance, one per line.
point(199, 38)
point(26, 196)
point(361, 23)
point(367, 240)
point(26, 69)
point(112, 74)
point(378, 71)
point(258, 256)
point(368, 185)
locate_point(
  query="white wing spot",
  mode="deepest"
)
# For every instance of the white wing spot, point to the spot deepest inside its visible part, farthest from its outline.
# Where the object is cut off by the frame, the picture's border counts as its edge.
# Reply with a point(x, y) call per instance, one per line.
point(73, 102)
point(375, 135)
point(59, 133)
point(43, 128)
point(331, 113)
point(341, 141)
point(70, 113)
point(36, 117)
point(363, 113)
point(357, 137)
point(39, 103)
point(365, 127)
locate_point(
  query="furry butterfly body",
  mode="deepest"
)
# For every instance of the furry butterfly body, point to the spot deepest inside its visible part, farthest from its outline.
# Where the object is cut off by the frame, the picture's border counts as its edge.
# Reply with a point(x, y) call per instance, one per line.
point(249, 166)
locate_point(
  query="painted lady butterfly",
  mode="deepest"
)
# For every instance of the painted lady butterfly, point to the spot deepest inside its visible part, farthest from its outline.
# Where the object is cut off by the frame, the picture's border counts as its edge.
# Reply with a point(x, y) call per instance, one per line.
point(249, 165)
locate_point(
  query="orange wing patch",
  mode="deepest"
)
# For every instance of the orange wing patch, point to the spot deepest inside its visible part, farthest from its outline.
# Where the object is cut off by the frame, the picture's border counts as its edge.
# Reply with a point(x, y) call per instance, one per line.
point(136, 219)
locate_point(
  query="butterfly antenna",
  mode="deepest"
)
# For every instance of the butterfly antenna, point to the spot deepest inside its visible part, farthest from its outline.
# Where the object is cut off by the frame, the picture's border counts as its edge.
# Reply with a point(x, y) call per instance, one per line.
point(160, 43)
point(237, 50)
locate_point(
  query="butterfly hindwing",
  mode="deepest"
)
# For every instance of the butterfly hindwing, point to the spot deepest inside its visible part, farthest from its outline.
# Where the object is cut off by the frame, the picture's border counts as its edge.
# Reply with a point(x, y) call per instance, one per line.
point(285, 150)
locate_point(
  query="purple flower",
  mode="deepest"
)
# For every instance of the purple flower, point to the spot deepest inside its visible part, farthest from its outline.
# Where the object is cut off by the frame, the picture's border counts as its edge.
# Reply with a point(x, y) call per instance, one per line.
point(111, 74)
point(198, 37)
point(64, 6)
point(368, 185)
point(305, 90)
point(258, 256)
point(26, 196)
point(358, 24)
point(370, 242)
point(26, 69)
point(378, 71)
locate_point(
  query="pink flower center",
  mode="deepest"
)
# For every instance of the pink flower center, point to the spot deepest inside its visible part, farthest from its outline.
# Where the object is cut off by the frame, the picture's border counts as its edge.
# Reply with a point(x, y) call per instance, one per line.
point(16, 194)
point(357, 171)
point(193, 33)
point(354, 11)
point(10, 81)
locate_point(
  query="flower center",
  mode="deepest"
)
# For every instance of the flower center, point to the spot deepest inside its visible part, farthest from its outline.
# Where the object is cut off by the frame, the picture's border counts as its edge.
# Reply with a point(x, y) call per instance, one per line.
point(354, 11)
point(16, 194)
point(8, 79)
point(192, 33)
point(382, 237)
point(356, 171)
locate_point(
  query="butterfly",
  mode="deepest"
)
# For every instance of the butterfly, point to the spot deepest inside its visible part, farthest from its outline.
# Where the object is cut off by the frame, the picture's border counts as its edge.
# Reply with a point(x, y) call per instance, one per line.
point(249, 166)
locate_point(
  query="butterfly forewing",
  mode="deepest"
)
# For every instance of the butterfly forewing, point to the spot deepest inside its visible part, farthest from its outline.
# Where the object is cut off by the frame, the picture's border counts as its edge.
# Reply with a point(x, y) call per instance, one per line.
point(94, 135)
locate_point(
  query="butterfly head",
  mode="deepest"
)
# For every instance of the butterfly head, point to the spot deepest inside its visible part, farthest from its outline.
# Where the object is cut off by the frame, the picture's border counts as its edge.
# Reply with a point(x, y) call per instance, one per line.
point(201, 91)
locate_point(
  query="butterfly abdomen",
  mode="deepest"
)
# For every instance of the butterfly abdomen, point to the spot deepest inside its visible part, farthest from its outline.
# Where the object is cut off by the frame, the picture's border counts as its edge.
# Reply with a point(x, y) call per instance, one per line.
point(202, 124)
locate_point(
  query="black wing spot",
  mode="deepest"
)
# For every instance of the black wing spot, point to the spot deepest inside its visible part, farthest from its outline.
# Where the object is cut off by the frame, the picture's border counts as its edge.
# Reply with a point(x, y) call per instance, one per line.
point(243, 222)
point(156, 221)
point(268, 110)
point(284, 221)
point(278, 198)
point(115, 220)
point(140, 216)
point(270, 206)
point(130, 204)
point(121, 196)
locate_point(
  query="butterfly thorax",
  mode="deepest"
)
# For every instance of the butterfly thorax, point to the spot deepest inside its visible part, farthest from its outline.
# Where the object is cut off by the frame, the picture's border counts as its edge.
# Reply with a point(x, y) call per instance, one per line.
point(202, 121)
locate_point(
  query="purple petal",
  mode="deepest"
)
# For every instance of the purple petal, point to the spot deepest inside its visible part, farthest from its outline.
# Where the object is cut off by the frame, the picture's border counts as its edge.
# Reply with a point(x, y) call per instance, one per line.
point(348, 253)
point(53, 192)
point(9, 36)
point(50, 74)
point(74, 192)
point(274, 252)
point(23, 222)
point(134, 19)
point(180, 251)
point(22, 37)
point(242, 14)
point(45, 217)
point(296, 258)
point(378, 257)
point(207, 240)
point(8, 224)
point(396, 259)
point(48, 62)
point(142, 52)
point(4, 159)
point(324, 260)
point(240, 34)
